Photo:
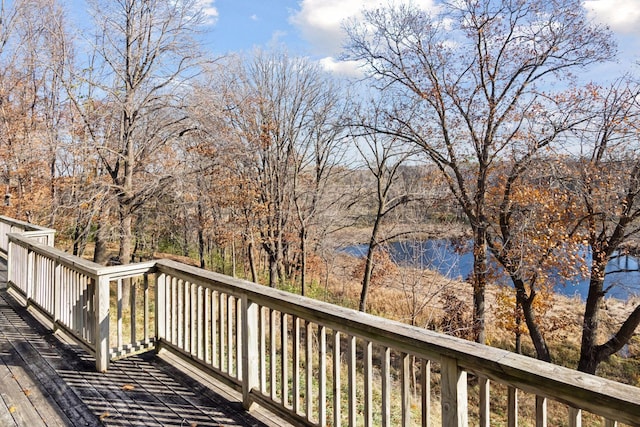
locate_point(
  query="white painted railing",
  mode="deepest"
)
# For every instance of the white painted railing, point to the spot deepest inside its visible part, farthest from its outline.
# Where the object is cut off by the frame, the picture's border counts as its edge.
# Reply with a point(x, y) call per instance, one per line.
point(8, 225)
point(83, 298)
point(309, 362)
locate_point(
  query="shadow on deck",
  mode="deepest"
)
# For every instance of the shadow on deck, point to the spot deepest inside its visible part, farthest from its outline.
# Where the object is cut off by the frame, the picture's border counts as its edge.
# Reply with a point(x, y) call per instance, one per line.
point(46, 380)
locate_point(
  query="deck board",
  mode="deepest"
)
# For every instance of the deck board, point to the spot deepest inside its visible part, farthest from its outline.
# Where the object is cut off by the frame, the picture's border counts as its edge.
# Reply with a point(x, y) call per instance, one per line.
point(46, 380)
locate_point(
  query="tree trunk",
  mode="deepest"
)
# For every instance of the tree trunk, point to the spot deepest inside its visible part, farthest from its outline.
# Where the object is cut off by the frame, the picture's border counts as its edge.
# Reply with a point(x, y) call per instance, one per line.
point(273, 270)
point(303, 260)
point(479, 281)
point(100, 252)
point(124, 254)
point(526, 302)
point(252, 262)
point(366, 279)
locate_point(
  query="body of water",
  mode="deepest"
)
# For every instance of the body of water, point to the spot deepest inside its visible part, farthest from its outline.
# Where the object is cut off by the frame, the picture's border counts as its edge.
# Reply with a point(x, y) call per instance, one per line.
point(454, 260)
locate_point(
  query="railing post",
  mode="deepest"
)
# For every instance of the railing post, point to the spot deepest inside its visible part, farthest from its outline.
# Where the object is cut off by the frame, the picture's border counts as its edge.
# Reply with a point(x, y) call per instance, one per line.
point(102, 323)
point(250, 361)
point(454, 394)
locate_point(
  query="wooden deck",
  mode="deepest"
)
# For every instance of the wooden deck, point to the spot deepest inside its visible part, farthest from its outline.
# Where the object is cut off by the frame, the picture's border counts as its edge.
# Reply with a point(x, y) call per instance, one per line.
point(47, 381)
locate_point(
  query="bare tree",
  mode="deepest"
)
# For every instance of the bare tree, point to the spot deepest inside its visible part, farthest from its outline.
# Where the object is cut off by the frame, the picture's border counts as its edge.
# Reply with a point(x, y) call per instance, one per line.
point(280, 109)
point(467, 81)
point(383, 156)
point(145, 57)
point(608, 185)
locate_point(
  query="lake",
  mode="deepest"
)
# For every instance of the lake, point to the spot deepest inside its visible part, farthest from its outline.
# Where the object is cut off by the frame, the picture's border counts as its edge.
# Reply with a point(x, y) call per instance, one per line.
point(454, 260)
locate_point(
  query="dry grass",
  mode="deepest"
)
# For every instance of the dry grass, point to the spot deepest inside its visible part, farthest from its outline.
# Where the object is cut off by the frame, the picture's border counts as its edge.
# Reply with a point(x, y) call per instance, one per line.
point(396, 299)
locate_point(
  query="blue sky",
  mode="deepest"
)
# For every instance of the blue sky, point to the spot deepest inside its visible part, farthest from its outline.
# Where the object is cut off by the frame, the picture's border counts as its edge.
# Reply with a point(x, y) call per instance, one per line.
point(313, 27)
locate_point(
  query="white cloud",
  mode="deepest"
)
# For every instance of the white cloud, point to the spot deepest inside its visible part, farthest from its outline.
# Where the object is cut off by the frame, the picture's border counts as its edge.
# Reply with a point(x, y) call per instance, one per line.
point(209, 11)
point(343, 68)
point(254, 17)
point(621, 15)
point(320, 21)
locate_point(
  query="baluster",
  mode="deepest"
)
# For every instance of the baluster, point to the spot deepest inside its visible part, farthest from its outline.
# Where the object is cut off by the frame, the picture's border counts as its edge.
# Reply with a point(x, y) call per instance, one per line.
point(133, 308)
point(337, 390)
point(180, 315)
point(284, 359)
point(296, 364)
point(368, 383)
point(485, 399)
point(206, 336)
point(541, 411)
point(406, 390)
point(309, 369)
point(351, 368)
point(201, 341)
point(386, 387)
point(215, 305)
point(272, 348)
point(238, 338)
point(263, 350)
point(322, 383)
point(194, 304)
point(425, 385)
point(512, 407)
point(230, 304)
point(57, 276)
point(221, 322)
point(575, 417)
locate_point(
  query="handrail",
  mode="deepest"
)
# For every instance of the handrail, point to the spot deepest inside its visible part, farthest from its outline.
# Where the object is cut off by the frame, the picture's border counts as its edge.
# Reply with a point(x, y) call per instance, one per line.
point(291, 354)
point(620, 401)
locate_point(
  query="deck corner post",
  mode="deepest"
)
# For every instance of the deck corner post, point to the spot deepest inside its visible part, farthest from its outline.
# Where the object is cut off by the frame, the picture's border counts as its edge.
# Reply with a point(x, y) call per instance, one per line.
point(250, 361)
point(102, 323)
point(454, 394)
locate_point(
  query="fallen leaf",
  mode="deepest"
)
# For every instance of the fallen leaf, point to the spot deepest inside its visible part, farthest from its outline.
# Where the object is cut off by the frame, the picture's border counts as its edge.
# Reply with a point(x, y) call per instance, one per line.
point(27, 392)
point(104, 415)
point(128, 387)
point(12, 409)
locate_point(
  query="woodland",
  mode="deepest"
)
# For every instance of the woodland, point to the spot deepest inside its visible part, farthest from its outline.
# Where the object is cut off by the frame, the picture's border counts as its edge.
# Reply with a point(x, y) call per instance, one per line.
point(134, 142)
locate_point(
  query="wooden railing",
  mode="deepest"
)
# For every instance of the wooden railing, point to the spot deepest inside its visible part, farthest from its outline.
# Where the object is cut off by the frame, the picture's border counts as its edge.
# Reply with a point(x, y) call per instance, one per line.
point(8, 225)
point(310, 362)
